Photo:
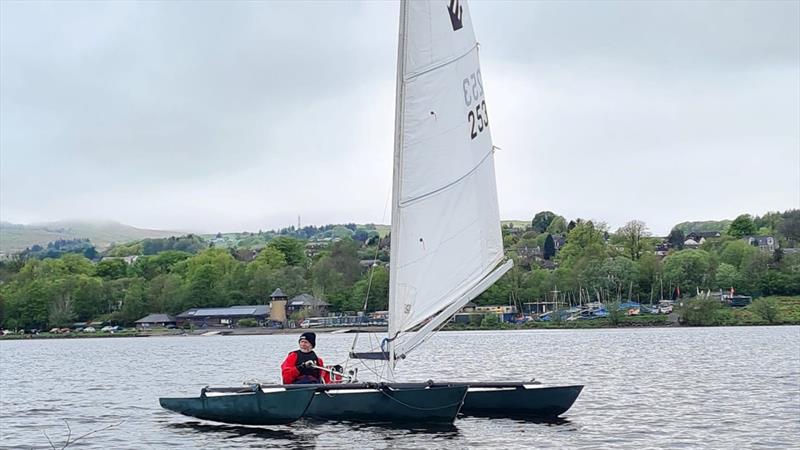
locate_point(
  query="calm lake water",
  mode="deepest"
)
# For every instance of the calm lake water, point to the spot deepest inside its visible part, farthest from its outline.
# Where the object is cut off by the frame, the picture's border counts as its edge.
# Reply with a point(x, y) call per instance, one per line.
point(645, 388)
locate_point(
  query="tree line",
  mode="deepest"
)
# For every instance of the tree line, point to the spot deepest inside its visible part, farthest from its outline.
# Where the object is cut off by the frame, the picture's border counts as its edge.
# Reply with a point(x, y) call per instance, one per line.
point(588, 262)
point(595, 264)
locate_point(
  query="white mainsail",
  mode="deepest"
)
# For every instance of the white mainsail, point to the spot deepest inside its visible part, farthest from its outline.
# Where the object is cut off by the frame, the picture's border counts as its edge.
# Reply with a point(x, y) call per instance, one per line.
point(446, 242)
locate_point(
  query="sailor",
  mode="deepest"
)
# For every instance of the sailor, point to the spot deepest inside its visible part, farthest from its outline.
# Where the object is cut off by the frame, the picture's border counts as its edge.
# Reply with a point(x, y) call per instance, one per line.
point(298, 367)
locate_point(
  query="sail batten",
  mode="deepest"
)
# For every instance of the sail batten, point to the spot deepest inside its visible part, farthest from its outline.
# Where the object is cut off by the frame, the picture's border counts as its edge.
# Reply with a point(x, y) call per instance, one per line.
point(438, 65)
point(451, 184)
point(442, 316)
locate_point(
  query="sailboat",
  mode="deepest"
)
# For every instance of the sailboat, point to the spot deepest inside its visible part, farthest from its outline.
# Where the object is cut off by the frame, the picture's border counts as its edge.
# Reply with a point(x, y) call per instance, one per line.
point(446, 243)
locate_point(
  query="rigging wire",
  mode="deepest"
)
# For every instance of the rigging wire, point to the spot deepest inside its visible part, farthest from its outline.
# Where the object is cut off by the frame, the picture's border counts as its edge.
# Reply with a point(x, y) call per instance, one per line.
point(369, 288)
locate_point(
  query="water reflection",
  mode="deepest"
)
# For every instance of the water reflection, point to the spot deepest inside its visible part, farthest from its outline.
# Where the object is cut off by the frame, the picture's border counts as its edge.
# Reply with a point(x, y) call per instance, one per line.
point(237, 430)
point(523, 418)
point(444, 430)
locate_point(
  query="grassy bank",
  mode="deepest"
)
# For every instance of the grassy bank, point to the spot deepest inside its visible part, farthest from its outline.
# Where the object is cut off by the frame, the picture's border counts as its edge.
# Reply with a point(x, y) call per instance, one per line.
point(13, 337)
point(774, 310)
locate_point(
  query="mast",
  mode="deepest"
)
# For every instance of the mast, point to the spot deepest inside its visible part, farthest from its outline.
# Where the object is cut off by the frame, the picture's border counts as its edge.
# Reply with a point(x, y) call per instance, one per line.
point(399, 108)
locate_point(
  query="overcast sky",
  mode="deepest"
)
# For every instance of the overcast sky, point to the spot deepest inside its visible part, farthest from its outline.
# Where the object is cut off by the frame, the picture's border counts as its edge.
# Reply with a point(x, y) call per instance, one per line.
point(234, 116)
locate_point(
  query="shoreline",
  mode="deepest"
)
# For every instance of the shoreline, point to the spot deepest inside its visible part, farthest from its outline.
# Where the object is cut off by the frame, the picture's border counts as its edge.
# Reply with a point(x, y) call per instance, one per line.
point(289, 331)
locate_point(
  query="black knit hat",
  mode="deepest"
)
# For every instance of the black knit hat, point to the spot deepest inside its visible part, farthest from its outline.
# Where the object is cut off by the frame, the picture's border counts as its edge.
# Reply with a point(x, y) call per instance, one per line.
point(310, 337)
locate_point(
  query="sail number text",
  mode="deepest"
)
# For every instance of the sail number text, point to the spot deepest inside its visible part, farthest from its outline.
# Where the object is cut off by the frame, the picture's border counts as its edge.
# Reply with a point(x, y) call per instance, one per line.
point(478, 119)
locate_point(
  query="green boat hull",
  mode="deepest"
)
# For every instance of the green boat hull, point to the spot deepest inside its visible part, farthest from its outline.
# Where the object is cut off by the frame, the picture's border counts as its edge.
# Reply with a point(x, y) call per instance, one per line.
point(492, 399)
point(250, 407)
point(423, 404)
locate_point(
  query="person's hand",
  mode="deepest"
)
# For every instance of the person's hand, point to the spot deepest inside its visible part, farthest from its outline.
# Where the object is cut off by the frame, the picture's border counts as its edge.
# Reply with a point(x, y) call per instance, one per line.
point(307, 364)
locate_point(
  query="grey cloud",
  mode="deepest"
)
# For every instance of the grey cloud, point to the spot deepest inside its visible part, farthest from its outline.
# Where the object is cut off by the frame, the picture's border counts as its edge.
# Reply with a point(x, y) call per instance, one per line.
point(241, 115)
point(681, 34)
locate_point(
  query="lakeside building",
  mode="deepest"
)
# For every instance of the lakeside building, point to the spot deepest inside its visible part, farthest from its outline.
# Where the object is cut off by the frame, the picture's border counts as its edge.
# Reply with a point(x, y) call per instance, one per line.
point(306, 302)
point(223, 317)
point(155, 321)
point(470, 312)
point(277, 308)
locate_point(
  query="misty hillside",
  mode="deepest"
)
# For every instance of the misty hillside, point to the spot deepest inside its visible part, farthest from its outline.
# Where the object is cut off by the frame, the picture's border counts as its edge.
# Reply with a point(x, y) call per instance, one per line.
point(16, 237)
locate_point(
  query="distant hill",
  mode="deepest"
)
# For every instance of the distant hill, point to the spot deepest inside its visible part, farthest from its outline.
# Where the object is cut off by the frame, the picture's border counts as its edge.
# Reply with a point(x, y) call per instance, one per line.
point(707, 225)
point(516, 223)
point(260, 239)
point(16, 237)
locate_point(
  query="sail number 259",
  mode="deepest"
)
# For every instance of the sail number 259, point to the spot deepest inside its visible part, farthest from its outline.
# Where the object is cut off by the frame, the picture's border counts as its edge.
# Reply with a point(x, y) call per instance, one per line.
point(473, 94)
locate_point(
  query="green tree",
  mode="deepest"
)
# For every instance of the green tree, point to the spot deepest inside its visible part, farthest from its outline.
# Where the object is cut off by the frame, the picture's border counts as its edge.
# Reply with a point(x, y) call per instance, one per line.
point(619, 274)
point(775, 282)
point(766, 308)
point(769, 221)
point(542, 220)
point(378, 292)
point(89, 299)
point(149, 267)
point(204, 287)
point(754, 267)
point(328, 283)
point(293, 249)
point(208, 277)
point(111, 269)
point(29, 305)
point(500, 292)
point(134, 304)
point(77, 264)
point(585, 241)
point(166, 261)
point(649, 270)
point(269, 258)
point(549, 247)
point(789, 226)
point(736, 252)
point(742, 226)
point(700, 312)
point(61, 310)
point(728, 277)
point(557, 226)
point(166, 294)
point(676, 238)
point(537, 284)
point(688, 269)
point(633, 235)
point(344, 256)
point(615, 314)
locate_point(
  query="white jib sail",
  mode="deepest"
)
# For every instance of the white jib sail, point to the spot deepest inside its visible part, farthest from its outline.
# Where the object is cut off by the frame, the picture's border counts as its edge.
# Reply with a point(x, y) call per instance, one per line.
point(446, 239)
